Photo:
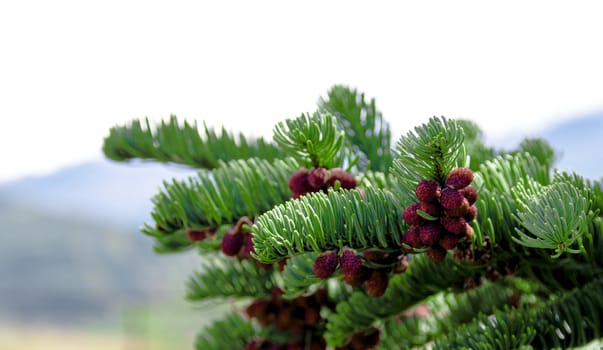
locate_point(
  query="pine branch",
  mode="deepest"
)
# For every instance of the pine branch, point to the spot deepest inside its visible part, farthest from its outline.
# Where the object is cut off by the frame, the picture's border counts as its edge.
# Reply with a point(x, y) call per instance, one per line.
point(183, 144)
point(319, 222)
point(298, 275)
point(422, 280)
point(496, 181)
point(237, 188)
point(540, 149)
point(364, 125)
point(232, 332)
point(442, 314)
point(565, 321)
point(556, 217)
point(314, 141)
point(502, 330)
point(228, 277)
point(430, 153)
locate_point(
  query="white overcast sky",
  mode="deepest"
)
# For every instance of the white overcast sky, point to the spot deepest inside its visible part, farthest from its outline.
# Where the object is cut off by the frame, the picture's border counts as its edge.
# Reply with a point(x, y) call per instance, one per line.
point(69, 70)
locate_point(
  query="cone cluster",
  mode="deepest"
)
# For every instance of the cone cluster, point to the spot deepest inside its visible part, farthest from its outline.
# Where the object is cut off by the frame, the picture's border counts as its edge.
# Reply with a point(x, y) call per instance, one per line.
point(319, 179)
point(238, 243)
point(441, 217)
point(356, 273)
point(299, 317)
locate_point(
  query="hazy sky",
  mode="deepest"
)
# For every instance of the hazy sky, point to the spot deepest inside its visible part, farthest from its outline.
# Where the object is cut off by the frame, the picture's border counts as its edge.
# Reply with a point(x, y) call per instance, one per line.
point(69, 70)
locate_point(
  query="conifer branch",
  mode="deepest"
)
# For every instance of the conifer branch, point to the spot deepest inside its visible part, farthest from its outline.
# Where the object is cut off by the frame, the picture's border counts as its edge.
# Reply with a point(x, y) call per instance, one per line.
point(364, 125)
point(430, 152)
point(567, 320)
point(423, 279)
point(442, 314)
point(319, 222)
point(313, 140)
point(183, 144)
point(235, 189)
point(557, 217)
point(298, 275)
point(232, 332)
point(228, 277)
point(496, 181)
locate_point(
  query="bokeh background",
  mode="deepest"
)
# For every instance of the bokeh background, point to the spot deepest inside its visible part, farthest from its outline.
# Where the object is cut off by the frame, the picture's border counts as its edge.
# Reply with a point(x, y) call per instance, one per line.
point(76, 273)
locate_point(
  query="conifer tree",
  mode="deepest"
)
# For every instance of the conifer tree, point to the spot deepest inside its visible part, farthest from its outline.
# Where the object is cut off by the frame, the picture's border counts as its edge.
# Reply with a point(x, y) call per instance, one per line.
point(332, 236)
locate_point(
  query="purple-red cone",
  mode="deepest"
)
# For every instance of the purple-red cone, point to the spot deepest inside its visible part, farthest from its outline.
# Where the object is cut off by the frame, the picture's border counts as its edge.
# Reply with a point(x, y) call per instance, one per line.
point(326, 264)
point(430, 233)
point(428, 191)
point(232, 243)
point(459, 178)
point(317, 178)
point(377, 283)
point(351, 263)
point(347, 181)
point(410, 215)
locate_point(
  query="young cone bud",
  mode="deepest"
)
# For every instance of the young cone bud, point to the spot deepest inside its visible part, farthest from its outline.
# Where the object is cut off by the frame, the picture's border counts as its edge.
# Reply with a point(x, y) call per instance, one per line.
point(325, 264)
point(377, 283)
point(410, 215)
point(459, 178)
point(351, 263)
point(317, 178)
point(461, 210)
point(411, 238)
point(430, 233)
point(471, 213)
point(196, 235)
point(232, 243)
point(433, 209)
point(346, 180)
point(470, 193)
point(428, 191)
point(451, 199)
point(455, 225)
point(298, 183)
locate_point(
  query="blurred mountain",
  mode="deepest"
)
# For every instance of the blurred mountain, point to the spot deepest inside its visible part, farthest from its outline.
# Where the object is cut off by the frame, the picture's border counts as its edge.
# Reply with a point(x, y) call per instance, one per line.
point(71, 251)
point(116, 193)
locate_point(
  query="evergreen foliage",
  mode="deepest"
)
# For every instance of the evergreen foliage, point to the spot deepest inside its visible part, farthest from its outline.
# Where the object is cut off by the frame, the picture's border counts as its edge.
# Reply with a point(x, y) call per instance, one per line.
point(438, 241)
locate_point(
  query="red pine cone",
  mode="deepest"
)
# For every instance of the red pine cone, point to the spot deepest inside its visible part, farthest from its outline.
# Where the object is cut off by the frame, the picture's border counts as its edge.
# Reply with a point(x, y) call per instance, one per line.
point(325, 264)
point(455, 225)
point(196, 235)
point(351, 263)
point(433, 209)
point(317, 178)
point(428, 191)
point(430, 233)
point(470, 193)
point(459, 178)
point(232, 243)
point(411, 238)
point(377, 283)
point(451, 199)
point(410, 214)
point(298, 183)
point(461, 210)
point(471, 213)
point(347, 181)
